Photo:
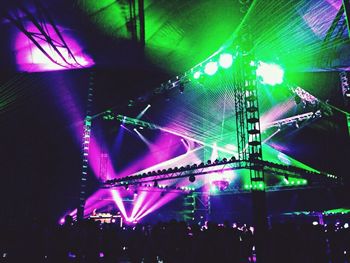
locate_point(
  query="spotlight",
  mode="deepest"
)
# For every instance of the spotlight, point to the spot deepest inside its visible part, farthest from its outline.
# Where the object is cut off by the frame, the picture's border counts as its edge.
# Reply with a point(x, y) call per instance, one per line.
point(192, 178)
point(232, 159)
point(197, 75)
point(225, 60)
point(270, 74)
point(211, 68)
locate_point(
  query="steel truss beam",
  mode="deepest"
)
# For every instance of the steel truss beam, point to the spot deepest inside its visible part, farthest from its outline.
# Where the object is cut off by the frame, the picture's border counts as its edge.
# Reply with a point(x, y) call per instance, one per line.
point(335, 24)
point(182, 172)
point(346, 6)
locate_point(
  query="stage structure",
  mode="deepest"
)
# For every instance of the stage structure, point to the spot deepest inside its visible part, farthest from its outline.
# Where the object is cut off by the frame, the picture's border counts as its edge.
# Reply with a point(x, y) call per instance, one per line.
point(85, 149)
point(248, 135)
point(249, 146)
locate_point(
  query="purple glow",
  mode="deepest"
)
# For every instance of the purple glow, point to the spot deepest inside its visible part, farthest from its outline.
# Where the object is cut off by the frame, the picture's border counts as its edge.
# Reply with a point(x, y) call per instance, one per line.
point(62, 221)
point(164, 200)
point(276, 113)
point(178, 133)
point(151, 199)
point(31, 59)
point(119, 202)
point(320, 19)
point(143, 138)
point(139, 201)
point(119, 139)
point(221, 184)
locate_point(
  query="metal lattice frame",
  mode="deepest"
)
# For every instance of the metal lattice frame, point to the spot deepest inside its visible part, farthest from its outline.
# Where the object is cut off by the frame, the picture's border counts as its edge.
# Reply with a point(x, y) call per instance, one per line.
point(224, 165)
point(240, 111)
point(85, 150)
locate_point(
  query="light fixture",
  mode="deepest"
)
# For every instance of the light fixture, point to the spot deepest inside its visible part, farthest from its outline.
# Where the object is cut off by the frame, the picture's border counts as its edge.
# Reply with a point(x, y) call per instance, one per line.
point(192, 178)
point(211, 68)
point(225, 60)
point(270, 74)
point(197, 75)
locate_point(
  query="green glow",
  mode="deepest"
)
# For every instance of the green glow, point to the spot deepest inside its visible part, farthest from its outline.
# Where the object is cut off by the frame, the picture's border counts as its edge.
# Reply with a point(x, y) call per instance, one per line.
point(108, 15)
point(197, 75)
point(295, 182)
point(211, 68)
point(225, 60)
point(258, 186)
point(213, 189)
point(271, 74)
point(337, 211)
point(177, 35)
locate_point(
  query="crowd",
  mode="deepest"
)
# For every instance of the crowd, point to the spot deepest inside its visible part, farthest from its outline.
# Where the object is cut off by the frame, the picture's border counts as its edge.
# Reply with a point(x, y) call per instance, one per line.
point(178, 242)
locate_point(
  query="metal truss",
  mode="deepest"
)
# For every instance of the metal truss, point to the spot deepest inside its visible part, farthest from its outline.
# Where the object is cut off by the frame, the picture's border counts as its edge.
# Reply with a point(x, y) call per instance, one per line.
point(44, 34)
point(240, 110)
point(346, 6)
point(294, 119)
point(177, 172)
point(338, 26)
point(85, 151)
point(271, 168)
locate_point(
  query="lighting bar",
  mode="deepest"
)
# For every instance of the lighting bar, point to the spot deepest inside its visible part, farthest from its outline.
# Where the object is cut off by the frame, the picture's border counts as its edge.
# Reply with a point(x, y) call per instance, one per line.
point(221, 166)
point(293, 119)
point(181, 172)
point(136, 122)
point(304, 95)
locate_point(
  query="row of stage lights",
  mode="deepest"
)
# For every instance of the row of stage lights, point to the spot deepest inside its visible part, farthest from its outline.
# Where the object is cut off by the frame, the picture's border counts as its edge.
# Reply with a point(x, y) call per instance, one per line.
point(160, 186)
point(260, 185)
point(173, 170)
point(294, 169)
point(225, 61)
point(268, 73)
point(126, 180)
